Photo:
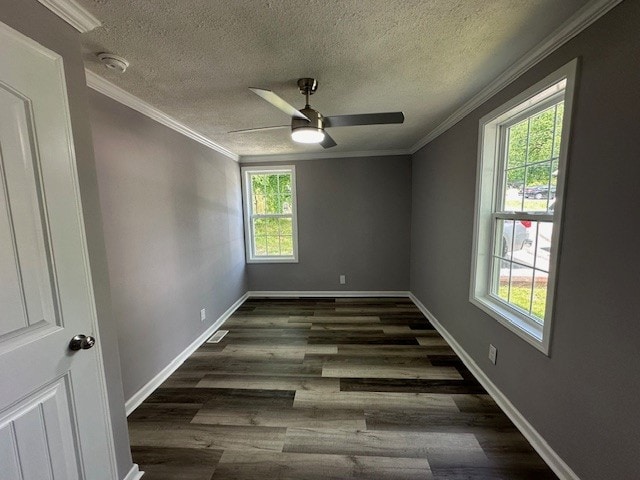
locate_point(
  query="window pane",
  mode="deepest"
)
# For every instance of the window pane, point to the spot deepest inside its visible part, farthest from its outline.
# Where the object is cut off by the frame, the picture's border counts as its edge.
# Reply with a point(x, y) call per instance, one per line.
point(511, 237)
point(543, 232)
point(260, 243)
point(271, 226)
point(554, 178)
point(537, 190)
point(258, 184)
point(260, 226)
point(504, 238)
point(538, 176)
point(520, 287)
point(284, 183)
point(539, 294)
point(287, 204)
point(271, 204)
point(259, 204)
point(271, 184)
point(541, 129)
point(273, 245)
point(558, 132)
point(513, 193)
point(524, 255)
point(286, 245)
point(286, 226)
point(502, 273)
point(517, 150)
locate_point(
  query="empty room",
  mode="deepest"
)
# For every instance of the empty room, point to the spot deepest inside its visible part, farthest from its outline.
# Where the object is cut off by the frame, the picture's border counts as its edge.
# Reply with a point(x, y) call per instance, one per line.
point(359, 239)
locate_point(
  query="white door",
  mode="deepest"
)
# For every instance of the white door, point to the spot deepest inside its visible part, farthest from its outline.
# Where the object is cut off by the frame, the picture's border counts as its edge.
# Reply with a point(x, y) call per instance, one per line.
point(53, 410)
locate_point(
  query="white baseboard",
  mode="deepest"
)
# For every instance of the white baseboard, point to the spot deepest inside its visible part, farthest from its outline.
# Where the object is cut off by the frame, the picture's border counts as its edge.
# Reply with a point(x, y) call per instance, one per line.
point(134, 473)
point(139, 397)
point(560, 468)
point(319, 293)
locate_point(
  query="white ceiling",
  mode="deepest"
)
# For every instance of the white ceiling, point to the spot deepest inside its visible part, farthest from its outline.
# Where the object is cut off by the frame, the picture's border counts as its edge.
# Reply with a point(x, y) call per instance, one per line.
point(195, 59)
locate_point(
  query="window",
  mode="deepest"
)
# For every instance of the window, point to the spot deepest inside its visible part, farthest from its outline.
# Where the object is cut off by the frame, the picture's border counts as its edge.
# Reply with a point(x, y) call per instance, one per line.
point(521, 168)
point(270, 214)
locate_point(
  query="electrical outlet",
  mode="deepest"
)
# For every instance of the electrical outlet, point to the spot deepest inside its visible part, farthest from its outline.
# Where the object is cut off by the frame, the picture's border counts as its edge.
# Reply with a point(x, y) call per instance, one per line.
point(203, 314)
point(343, 279)
point(493, 353)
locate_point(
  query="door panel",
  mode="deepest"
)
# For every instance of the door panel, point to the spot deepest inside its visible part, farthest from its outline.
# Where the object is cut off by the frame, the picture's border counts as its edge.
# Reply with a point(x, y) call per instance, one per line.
point(38, 436)
point(54, 418)
point(9, 454)
point(27, 277)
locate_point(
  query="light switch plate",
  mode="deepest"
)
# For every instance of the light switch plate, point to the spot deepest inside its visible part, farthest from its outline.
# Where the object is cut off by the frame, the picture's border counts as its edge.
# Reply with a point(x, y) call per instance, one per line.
point(493, 354)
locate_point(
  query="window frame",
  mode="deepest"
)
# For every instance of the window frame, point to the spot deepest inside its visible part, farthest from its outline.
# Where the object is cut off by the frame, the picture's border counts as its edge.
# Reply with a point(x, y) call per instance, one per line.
point(489, 189)
point(247, 196)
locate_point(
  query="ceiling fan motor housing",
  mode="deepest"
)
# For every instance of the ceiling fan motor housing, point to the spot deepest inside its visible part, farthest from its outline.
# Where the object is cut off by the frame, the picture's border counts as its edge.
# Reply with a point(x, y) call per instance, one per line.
point(316, 120)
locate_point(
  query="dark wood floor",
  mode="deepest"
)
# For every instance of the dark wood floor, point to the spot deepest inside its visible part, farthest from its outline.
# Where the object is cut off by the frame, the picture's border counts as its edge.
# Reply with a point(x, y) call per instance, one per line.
point(327, 389)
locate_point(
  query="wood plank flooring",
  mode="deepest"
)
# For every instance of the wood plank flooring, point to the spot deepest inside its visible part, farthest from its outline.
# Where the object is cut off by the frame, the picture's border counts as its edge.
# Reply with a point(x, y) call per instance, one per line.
point(327, 388)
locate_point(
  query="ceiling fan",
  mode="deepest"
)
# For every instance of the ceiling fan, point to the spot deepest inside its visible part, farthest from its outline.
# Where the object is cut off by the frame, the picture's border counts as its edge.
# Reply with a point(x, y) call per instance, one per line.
point(308, 125)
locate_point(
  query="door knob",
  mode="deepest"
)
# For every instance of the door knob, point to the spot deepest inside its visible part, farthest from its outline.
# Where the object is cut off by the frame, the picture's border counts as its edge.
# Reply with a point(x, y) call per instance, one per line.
point(81, 342)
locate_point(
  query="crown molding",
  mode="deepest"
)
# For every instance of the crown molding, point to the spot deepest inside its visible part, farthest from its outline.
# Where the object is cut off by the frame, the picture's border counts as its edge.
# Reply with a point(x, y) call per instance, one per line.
point(116, 93)
point(288, 157)
point(72, 13)
point(572, 27)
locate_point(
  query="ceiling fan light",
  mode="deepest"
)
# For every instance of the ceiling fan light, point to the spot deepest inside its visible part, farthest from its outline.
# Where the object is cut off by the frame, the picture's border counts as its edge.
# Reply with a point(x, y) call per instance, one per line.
point(307, 135)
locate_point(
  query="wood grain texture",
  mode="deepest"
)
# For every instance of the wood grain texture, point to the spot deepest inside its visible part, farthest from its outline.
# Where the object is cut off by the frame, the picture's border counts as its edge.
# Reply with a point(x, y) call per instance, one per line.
point(389, 371)
point(218, 437)
point(271, 382)
point(389, 400)
point(388, 443)
point(296, 466)
point(272, 417)
point(327, 388)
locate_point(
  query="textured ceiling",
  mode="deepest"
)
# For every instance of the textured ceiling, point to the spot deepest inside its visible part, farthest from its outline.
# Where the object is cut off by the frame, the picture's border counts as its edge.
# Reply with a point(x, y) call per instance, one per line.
point(195, 59)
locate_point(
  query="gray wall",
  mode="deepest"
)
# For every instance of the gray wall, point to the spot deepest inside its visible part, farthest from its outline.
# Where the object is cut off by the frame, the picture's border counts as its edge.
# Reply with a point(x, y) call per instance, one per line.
point(35, 21)
point(353, 219)
point(583, 399)
point(172, 214)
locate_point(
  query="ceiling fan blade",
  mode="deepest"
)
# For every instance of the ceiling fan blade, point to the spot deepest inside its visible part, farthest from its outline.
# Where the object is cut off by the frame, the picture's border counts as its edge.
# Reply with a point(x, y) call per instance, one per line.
point(328, 142)
point(259, 129)
point(278, 102)
point(363, 119)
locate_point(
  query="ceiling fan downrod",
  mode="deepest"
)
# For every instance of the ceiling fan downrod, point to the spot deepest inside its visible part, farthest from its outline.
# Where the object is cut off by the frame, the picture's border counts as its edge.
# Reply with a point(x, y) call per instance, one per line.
point(307, 86)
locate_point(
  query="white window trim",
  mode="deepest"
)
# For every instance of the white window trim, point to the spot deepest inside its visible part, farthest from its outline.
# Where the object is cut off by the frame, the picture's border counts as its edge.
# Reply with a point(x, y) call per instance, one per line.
point(487, 188)
point(246, 201)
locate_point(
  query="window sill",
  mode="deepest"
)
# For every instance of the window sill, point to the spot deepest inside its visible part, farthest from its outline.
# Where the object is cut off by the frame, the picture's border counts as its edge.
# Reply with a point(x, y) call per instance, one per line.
point(527, 330)
point(273, 260)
